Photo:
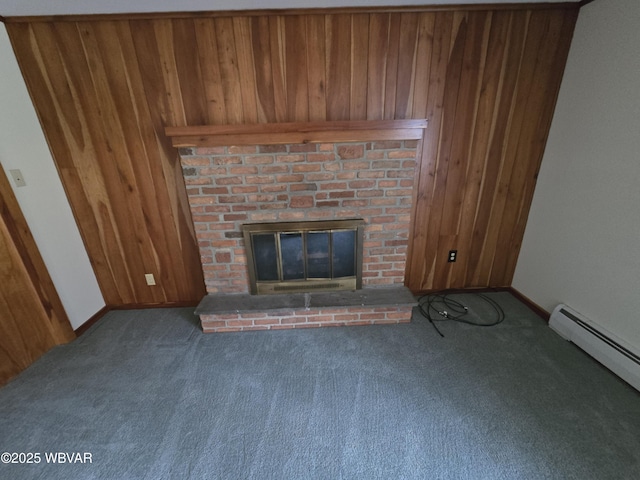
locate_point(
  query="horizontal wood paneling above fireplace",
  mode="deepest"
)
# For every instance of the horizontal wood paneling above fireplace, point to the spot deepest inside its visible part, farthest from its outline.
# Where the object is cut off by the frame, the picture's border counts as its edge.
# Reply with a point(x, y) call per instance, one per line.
point(485, 80)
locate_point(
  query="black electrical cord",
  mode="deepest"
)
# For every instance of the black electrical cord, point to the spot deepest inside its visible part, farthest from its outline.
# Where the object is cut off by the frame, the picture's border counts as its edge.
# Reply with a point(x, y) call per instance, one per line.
point(437, 307)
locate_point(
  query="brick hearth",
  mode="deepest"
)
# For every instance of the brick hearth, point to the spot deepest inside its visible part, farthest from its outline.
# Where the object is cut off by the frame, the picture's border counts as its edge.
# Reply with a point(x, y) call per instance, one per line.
point(231, 186)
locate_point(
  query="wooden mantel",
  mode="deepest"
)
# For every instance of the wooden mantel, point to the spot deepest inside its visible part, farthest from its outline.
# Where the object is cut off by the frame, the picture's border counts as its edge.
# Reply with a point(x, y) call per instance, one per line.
point(296, 132)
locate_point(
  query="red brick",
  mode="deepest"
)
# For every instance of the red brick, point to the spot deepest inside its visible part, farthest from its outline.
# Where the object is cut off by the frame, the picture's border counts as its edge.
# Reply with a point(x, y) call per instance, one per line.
point(213, 171)
point(243, 149)
point(262, 217)
point(274, 206)
point(198, 181)
point(355, 203)
point(258, 160)
point(362, 184)
point(406, 183)
point(272, 148)
point(209, 150)
point(195, 161)
point(319, 177)
point(306, 168)
point(388, 183)
point(216, 208)
point(291, 215)
point(345, 175)
point(289, 158)
point(303, 147)
point(321, 157)
point(228, 180)
point(244, 189)
point(343, 194)
point(386, 145)
point(402, 154)
point(331, 167)
point(230, 160)
point(319, 214)
point(384, 201)
point(350, 151)
point(355, 165)
point(215, 190)
point(386, 164)
point(299, 187)
point(240, 323)
point(235, 217)
point(290, 178)
point(370, 193)
point(301, 202)
point(202, 200)
point(210, 322)
point(232, 199)
point(399, 174)
point(273, 188)
point(258, 179)
point(375, 155)
point(275, 169)
point(371, 174)
point(260, 198)
point(223, 257)
point(243, 170)
point(399, 192)
point(328, 203)
point(333, 186)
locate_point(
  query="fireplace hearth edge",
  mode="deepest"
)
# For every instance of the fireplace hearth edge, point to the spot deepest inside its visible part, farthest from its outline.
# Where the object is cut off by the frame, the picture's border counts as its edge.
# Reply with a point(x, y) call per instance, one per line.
point(387, 296)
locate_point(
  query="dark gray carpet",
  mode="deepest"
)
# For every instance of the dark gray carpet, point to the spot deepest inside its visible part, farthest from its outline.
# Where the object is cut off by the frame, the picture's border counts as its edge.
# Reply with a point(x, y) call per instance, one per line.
point(150, 397)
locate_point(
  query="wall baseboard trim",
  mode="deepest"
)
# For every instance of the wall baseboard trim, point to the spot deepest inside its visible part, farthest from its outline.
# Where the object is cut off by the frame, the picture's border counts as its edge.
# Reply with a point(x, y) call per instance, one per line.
point(537, 309)
point(82, 329)
point(462, 290)
point(140, 306)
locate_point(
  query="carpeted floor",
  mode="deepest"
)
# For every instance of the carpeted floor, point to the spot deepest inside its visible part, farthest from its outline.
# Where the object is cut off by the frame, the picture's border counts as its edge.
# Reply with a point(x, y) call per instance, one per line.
point(148, 396)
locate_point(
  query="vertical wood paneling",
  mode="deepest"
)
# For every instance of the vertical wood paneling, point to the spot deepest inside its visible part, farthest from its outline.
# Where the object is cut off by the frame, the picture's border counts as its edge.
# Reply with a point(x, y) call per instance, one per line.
point(316, 72)
point(260, 43)
point(485, 80)
point(391, 79)
point(338, 65)
point(229, 74)
point(32, 318)
point(359, 65)
point(406, 65)
point(378, 53)
point(207, 48)
point(296, 68)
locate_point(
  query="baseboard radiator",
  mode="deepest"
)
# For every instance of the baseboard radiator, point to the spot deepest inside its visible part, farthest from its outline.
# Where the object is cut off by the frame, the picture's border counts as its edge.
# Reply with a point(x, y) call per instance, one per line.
point(613, 352)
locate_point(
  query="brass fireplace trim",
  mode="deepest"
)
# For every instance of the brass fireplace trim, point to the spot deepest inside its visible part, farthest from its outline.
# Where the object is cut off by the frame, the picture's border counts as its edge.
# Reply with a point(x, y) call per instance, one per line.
point(308, 284)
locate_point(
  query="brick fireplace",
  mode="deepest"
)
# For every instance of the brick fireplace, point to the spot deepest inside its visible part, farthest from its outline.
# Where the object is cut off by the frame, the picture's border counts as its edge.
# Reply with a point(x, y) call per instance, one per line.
point(229, 186)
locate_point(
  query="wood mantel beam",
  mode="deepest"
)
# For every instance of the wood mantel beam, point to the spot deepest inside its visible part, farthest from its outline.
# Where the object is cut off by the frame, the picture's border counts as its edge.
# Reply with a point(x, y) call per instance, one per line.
point(296, 132)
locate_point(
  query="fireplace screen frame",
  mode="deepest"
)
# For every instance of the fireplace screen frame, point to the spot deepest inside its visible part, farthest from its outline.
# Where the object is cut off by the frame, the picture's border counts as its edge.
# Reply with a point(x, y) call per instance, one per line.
point(306, 284)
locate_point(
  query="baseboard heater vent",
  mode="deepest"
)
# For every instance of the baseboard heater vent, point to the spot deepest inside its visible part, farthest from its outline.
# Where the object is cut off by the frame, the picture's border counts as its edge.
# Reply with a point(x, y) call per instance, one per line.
point(611, 351)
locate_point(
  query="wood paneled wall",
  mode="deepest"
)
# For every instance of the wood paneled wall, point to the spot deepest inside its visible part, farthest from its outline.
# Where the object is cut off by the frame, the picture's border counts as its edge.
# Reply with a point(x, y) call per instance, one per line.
point(486, 80)
point(32, 318)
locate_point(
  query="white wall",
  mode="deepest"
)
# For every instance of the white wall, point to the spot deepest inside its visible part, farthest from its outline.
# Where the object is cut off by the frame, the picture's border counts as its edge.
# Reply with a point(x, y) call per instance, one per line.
point(42, 200)
point(582, 241)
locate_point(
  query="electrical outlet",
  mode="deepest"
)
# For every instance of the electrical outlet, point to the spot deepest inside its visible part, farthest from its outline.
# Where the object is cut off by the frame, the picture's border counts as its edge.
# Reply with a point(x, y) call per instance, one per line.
point(18, 179)
point(150, 279)
point(453, 254)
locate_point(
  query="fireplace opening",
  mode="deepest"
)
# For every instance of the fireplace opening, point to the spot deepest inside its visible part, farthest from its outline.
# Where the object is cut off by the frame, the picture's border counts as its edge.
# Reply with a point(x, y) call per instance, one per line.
point(304, 256)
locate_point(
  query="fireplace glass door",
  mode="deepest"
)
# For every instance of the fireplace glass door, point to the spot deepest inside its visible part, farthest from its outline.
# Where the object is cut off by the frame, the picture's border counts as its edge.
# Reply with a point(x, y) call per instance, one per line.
point(304, 256)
